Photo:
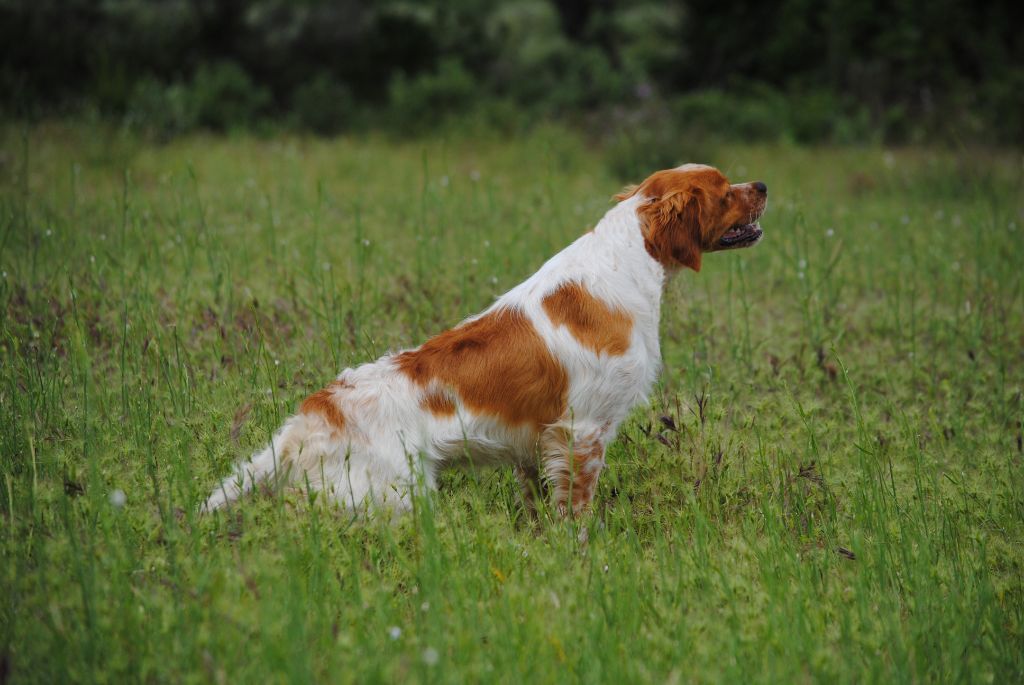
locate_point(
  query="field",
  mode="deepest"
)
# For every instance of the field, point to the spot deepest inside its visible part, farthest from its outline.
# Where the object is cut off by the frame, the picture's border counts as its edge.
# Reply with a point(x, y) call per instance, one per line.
point(828, 484)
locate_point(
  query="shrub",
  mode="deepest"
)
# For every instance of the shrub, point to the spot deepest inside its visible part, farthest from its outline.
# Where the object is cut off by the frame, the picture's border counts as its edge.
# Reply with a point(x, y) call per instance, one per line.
point(223, 96)
point(761, 115)
point(648, 137)
point(426, 100)
point(1003, 103)
point(323, 105)
point(813, 115)
point(161, 110)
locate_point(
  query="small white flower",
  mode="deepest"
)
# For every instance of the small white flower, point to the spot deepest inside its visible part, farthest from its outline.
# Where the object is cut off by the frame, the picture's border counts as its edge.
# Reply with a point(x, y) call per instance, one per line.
point(49, 232)
point(473, 261)
point(92, 258)
point(474, 175)
point(829, 232)
point(425, 606)
point(366, 242)
point(494, 280)
point(277, 362)
point(103, 236)
point(606, 568)
point(525, 554)
point(802, 264)
point(5, 274)
point(394, 632)
point(800, 275)
point(430, 656)
point(955, 266)
point(118, 498)
point(326, 266)
point(487, 243)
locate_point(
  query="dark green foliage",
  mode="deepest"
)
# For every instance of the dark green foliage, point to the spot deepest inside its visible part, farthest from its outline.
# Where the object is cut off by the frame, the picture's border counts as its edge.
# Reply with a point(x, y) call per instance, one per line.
point(421, 102)
point(835, 71)
point(220, 97)
point(323, 105)
point(223, 95)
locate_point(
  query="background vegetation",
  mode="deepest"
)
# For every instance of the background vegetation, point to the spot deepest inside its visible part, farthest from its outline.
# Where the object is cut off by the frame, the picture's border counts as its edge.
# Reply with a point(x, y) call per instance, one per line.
point(828, 484)
point(892, 70)
point(209, 208)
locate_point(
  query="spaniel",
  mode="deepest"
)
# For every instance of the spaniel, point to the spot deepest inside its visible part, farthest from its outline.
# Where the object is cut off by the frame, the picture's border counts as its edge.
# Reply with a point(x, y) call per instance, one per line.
point(540, 380)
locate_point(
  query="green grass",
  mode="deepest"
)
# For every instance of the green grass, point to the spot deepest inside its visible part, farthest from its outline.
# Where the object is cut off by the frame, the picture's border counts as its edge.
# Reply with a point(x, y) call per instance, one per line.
point(827, 486)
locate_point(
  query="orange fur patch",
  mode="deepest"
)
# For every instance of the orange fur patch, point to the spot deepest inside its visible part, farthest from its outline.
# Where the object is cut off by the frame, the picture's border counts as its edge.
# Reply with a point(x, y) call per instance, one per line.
point(498, 364)
point(591, 321)
point(325, 404)
point(438, 403)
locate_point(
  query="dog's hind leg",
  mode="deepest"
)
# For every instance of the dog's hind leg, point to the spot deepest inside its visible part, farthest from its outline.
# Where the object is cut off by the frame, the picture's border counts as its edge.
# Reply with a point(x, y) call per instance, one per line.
point(269, 464)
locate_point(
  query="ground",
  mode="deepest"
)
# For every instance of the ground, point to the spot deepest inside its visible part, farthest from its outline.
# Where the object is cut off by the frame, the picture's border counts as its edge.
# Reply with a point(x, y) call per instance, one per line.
point(827, 485)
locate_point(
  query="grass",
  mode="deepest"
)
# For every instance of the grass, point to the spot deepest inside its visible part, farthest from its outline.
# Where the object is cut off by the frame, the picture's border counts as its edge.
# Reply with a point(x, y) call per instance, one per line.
point(827, 485)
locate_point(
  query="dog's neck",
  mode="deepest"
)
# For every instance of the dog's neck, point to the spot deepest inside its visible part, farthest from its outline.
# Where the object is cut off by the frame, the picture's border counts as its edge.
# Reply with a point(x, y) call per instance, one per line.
point(611, 261)
point(621, 231)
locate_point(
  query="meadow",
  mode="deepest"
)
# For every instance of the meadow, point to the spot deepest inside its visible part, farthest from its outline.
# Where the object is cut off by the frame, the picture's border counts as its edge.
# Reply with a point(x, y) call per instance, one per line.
point(828, 483)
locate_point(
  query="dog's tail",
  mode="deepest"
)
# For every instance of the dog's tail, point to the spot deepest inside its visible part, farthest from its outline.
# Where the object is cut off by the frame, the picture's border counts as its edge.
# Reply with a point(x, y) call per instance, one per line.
point(270, 464)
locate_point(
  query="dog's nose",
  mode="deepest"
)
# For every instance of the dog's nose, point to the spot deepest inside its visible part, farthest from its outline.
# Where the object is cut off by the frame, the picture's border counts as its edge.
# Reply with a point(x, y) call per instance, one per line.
point(760, 187)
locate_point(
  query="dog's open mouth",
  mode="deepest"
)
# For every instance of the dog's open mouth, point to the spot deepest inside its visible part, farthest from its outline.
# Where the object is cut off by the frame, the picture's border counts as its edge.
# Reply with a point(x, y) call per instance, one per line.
point(743, 235)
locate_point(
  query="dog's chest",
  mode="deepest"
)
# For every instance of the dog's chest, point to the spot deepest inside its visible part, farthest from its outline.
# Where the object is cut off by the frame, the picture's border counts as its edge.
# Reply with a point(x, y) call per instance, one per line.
point(607, 387)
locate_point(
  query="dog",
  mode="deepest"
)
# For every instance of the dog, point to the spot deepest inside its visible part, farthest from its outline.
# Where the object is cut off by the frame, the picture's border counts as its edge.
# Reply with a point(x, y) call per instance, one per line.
point(540, 380)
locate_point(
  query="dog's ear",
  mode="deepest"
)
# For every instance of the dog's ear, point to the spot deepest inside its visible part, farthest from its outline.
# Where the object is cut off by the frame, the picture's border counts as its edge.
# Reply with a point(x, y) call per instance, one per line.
point(672, 227)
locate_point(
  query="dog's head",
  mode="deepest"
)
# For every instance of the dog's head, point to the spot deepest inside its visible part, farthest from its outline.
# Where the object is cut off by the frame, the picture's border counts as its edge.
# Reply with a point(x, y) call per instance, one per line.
point(693, 209)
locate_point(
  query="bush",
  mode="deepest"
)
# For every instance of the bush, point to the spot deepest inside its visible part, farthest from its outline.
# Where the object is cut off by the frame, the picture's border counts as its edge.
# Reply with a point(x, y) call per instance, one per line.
point(587, 80)
point(219, 97)
point(762, 115)
point(223, 96)
point(648, 137)
point(1003, 103)
point(813, 115)
point(322, 105)
point(425, 101)
point(160, 110)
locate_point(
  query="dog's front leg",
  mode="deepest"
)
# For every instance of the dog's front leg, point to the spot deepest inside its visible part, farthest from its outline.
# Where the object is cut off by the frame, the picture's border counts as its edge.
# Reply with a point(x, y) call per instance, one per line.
point(572, 460)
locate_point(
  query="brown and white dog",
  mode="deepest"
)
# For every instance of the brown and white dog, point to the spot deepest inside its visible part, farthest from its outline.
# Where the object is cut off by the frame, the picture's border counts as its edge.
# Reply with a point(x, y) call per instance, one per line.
point(540, 380)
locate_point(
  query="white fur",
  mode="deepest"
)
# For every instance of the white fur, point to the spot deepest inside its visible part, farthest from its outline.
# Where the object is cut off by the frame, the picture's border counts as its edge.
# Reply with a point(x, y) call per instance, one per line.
point(390, 443)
